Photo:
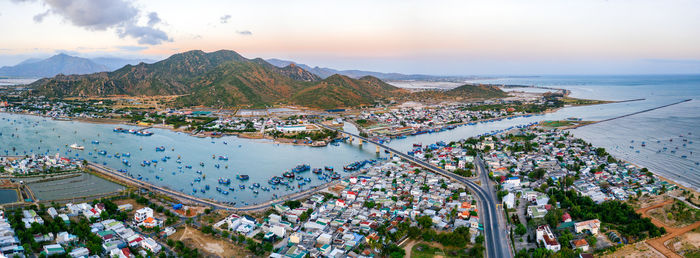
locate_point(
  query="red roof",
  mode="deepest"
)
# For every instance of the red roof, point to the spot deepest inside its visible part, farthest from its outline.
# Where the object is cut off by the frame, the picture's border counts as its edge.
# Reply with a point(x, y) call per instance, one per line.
point(565, 217)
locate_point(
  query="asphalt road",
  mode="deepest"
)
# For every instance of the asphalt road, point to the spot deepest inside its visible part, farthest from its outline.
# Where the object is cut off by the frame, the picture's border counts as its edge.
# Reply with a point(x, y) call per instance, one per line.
point(495, 236)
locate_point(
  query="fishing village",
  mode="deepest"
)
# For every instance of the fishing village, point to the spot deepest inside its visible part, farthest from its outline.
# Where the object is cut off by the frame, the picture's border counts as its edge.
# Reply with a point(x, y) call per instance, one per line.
point(386, 205)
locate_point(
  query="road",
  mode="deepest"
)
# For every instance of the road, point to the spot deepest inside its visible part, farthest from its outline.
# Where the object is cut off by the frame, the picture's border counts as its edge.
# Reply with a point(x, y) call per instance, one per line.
point(495, 236)
point(183, 196)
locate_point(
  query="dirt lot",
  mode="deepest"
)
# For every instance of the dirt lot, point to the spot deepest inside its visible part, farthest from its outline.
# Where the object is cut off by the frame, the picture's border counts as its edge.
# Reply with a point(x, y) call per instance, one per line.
point(660, 243)
point(640, 249)
point(688, 242)
point(662, 214)
point(208, 245)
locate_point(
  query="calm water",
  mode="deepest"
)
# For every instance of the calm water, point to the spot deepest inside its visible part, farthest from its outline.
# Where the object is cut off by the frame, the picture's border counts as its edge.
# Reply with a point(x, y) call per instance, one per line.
point(261, 159)
point(8, 196)
point(672, 128)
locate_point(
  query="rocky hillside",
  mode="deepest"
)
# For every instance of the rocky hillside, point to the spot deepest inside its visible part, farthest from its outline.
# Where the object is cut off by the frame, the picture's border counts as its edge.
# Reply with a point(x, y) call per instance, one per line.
point(220, 79)
point(58, 64)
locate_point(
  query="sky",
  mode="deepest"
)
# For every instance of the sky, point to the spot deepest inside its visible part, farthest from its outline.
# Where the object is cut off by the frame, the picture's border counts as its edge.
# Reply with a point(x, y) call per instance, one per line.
point(493, 37)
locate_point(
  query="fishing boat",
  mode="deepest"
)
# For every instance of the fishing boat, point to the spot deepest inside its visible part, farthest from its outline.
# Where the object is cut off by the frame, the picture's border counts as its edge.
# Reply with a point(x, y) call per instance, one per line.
point(143, 133)
point(224, 181)
point(241, 186)
point(328, 168)
point(161, 148)
point(188, 167)
point(128, 154)
point(223, 158)
point(301, 168)
point(274, 180)
point(95, 142)
point(256, 185)
point(317, 171)
point(242, 177)
point(102, 153)
point(288, 174)
point(335, 176)
point(199, 172)
point(201, 164)
point(75, 146)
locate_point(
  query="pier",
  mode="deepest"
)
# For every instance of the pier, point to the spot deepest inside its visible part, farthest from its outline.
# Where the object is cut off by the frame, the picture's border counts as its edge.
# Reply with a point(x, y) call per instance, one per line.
point(631, 114)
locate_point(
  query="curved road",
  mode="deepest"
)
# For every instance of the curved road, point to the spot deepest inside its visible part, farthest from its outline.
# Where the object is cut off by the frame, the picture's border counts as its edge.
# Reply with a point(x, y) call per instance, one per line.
point(495, 234)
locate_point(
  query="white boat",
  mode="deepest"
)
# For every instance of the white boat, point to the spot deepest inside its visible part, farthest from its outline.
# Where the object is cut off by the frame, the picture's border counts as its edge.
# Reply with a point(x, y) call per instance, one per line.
point(76, 146)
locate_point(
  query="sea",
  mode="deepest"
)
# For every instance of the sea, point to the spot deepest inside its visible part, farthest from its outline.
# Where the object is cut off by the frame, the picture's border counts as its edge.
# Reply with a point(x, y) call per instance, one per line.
point(670, 136)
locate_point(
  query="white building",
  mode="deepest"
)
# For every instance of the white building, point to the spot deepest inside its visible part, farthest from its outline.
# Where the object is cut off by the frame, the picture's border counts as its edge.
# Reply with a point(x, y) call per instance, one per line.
point(150, 244)
point(591, 225)
point(545, 236)
point(142, 214)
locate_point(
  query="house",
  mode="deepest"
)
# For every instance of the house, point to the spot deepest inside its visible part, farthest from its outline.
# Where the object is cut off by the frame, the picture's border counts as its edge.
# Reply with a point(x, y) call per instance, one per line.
point(54, 249)
point(580, 244)
point(592, 226)
point(542, 200)
point(278, 231)
point(52, 212)
point(509, 200)
point(566, 217)
point(125, 207)
point(324, 239)
point(546, 237)
point(150, 244)
point(511, 183)
point(536, 211)
point(121, 253)
point(143, 213)
point(79, 252)
point(65, 237)
point(151, 222)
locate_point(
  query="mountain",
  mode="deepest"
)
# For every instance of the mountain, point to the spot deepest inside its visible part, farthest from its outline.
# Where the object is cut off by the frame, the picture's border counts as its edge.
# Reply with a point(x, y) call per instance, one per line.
point(58, 64)
point(461, 93)
point(220, 79)
point(324, 72)
point(343, 91)
point(114, 63)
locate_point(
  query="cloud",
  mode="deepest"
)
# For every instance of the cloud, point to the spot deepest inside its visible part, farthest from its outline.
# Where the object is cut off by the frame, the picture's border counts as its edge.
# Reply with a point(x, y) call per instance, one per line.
point(40, 17)
point(244, 32)
point(153, 19)
point(225, 18)
point(132, 48)
point(94, 14)
point(144, 34)
point(100, 15)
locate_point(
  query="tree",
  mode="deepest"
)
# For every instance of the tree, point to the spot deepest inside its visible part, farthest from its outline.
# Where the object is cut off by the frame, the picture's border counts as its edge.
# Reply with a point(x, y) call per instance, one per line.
point(425, 221)
point(520, 229)
point(292, 204)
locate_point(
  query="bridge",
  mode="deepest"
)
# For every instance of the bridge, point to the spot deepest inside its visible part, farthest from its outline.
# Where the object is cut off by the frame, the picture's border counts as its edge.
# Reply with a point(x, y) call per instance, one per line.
point(207, 202)
point(495, 233)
